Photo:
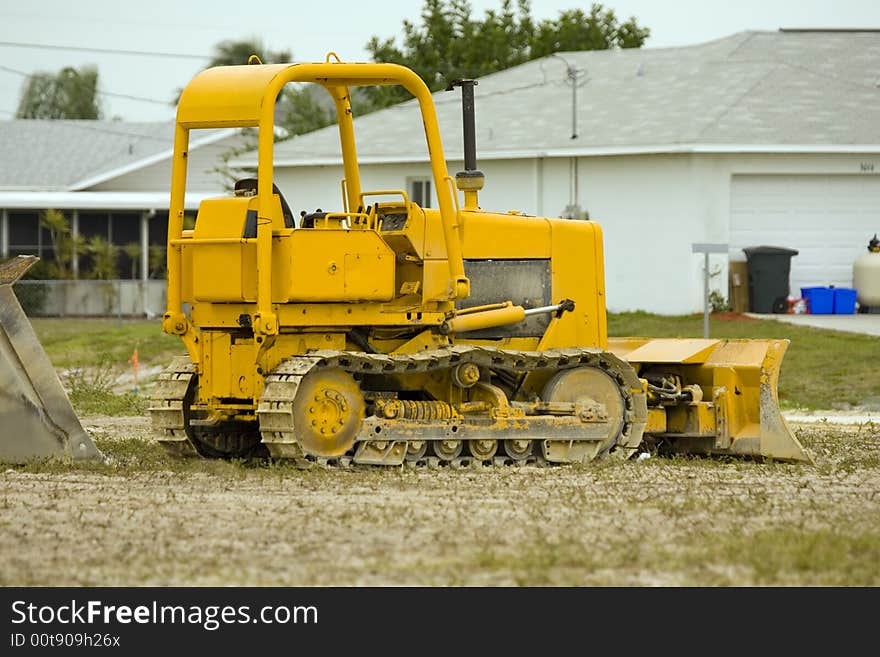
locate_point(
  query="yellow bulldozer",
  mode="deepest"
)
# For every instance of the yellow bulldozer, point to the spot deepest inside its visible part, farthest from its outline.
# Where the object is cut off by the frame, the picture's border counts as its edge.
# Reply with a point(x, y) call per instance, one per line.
point(384, 332)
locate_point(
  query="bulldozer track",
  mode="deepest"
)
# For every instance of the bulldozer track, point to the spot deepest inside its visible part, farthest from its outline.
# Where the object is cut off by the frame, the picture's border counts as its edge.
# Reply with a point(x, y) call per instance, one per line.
point(276, 407)
point(277, 421)
point(167, 409)
point(168, 412)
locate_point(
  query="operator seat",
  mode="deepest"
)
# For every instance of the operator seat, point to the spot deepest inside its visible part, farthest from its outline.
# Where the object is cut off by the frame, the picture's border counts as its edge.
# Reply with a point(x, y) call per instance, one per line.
point(250, 184)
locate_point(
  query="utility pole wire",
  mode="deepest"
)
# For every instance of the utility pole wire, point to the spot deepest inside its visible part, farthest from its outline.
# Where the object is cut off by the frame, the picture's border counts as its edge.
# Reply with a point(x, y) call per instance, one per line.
point(572, 75)
point(112, 51)
point(100, 93)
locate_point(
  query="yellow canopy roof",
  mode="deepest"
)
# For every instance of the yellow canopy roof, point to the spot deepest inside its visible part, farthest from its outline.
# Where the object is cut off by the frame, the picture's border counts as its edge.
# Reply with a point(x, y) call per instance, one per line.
point(236, 96)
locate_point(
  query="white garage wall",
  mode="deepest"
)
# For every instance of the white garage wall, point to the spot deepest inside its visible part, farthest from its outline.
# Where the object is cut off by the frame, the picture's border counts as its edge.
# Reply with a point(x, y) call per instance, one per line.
point(654, 207)
point(828, 219)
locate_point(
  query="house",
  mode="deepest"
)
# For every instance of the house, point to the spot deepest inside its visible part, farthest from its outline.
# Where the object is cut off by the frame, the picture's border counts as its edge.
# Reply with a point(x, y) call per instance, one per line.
point(110, 178)
point(760, 138)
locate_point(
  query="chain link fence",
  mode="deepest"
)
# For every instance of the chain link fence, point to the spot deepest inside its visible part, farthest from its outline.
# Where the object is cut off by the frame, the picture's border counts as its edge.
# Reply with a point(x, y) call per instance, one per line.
point(118, 298)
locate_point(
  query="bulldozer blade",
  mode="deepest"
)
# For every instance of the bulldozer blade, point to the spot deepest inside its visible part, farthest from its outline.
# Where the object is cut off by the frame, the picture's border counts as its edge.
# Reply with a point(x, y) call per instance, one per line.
point(36, 418)
point(737, 379)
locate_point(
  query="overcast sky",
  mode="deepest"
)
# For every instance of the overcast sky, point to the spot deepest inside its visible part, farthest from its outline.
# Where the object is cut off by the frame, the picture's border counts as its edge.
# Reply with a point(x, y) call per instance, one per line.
point(309, 30)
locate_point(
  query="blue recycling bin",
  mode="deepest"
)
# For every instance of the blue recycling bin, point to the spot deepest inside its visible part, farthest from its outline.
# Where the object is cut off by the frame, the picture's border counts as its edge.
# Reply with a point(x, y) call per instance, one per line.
point(820, 300)
point(844, 301)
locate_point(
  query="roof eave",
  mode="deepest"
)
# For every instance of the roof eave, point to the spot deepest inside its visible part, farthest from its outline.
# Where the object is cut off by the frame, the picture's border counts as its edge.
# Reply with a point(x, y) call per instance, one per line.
point(32, 200)
point(591, 151)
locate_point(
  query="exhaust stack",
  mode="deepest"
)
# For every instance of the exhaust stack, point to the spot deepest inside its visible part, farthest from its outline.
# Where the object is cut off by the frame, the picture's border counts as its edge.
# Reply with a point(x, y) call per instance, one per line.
point(471, 180)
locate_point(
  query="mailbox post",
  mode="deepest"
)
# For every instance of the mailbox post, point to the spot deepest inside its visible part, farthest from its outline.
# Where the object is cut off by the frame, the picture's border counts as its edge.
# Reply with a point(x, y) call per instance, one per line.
point(706, 249)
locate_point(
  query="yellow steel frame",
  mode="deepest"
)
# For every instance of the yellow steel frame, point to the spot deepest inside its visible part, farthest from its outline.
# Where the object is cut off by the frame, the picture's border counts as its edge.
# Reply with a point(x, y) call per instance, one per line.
point(244, 96)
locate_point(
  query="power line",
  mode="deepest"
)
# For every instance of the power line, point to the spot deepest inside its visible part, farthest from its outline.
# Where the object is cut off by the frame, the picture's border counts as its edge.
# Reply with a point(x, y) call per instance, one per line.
point(102, 93)
point(86, 124)
point(113, 51)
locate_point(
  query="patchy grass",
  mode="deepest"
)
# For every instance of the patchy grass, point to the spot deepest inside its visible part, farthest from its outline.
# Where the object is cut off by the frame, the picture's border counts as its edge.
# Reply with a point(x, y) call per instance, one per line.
point(133, 455)
point(792, 556)
point(108, 403)
point(821, 369)
point(72, 342)
point(782, 556)
point(92, 353)
point(90, 388)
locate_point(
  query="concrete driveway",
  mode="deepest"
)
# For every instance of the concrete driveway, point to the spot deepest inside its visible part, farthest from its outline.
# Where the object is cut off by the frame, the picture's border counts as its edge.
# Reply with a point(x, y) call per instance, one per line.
point(857, 323)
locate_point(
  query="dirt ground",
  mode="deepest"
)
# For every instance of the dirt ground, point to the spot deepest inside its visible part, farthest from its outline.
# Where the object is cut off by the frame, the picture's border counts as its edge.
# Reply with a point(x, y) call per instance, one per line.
point(146, 520)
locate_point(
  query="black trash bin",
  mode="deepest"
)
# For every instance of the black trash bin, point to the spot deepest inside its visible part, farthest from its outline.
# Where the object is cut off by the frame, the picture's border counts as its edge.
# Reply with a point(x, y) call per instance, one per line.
point(769, 267)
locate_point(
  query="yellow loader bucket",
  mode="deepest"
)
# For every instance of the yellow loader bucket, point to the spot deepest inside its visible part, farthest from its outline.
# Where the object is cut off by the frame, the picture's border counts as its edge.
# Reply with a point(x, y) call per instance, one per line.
point(713, 396)
point(36, 418)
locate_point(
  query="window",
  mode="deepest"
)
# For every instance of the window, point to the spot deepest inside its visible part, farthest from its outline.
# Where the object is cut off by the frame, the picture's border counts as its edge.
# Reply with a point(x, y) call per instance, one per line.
point(159, 228)
point(94, 224)
point(125, 228)
point(420, 191)
point(28, 237)
point(24, 231)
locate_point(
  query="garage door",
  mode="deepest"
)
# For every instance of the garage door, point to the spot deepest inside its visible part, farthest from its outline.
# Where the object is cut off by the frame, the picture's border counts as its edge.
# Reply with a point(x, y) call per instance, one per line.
point(828, 219)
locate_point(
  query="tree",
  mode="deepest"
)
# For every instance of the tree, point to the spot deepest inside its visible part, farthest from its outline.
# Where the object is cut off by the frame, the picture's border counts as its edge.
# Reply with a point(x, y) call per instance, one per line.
point(105, 258)
point(69, 94)
point(575, 30)
point(65, 244)
point(157, 256)
point(449, 43)
point(132, 251)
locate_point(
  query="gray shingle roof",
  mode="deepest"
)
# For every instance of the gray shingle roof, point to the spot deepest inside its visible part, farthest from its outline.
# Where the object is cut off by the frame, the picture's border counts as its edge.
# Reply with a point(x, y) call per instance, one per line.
point(52, 155)
point(752, 88)
point(42, 155)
